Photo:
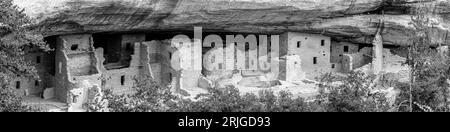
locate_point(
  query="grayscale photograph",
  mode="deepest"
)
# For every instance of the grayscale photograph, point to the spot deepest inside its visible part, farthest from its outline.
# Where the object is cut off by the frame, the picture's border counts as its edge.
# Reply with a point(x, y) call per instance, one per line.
point(224, 56)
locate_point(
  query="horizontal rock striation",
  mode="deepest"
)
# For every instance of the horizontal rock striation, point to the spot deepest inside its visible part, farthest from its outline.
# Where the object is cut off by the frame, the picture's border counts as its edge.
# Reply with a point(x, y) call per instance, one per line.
point(343, 20)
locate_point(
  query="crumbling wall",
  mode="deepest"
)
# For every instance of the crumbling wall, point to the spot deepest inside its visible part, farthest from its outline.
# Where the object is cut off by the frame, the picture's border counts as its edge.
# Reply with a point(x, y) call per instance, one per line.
point(128, 47)
point(61, 74)
point(75, 62)
point(338, 49)
point(160, 62)
point(80, 56)
point(357, 60)
point(167, 52)
point(153, 59)
point(145, 67)
point(82, 64)
point(121, 81)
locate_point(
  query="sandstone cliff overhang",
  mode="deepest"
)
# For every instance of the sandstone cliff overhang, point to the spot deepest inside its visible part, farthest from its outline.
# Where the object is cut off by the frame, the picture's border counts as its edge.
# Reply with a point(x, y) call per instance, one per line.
point(344, 20)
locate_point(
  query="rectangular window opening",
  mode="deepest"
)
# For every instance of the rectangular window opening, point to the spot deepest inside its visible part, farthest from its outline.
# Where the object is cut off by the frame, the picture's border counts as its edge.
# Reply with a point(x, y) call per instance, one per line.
point(346, 49)
point(74, 47)
point(18, 85)
point(220, 66)
point(315, 60)
point(122, 80)
point(38, 59)
point(130, 48)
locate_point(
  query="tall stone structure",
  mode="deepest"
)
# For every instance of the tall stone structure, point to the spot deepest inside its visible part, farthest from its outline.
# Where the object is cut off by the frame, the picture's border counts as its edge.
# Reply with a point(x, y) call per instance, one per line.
point(377, 60)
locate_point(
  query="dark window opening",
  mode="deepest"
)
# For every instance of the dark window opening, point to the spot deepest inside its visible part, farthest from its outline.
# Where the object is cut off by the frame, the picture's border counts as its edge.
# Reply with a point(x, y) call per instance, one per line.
point(18, 85)
point(170, 55)
point(36, 83)
point(130, 48)
point(346, 49)
point(315, 60)
point(170, 77)
point(322, 43)
point(74, 99)
point(269, 45)
point(74, 47)
point(122, 80)
point(247, 46)
point(299, 44)
point(220, 66)
point(333, 66)
point(38, 59)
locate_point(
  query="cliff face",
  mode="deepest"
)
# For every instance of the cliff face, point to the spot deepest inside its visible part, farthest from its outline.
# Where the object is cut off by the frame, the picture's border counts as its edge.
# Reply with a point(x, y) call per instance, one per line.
point(345, 20)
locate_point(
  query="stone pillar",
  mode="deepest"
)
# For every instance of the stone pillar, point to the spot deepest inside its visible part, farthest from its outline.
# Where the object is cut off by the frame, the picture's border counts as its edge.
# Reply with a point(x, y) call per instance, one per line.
point(377, 61)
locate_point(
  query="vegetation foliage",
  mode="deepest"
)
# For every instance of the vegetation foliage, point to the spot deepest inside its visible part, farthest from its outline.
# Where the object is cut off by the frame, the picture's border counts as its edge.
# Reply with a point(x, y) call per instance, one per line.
point(15, 38)
point(150, 97)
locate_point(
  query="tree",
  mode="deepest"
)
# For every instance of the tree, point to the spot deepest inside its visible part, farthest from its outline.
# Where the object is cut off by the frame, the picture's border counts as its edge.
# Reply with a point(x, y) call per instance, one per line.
point(429, 68)
point(15, 38)
point(354, 95)
point(149, 96)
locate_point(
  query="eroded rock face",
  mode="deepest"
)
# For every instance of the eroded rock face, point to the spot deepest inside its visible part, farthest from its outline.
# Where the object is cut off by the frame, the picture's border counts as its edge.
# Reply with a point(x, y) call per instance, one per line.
point(347, 20)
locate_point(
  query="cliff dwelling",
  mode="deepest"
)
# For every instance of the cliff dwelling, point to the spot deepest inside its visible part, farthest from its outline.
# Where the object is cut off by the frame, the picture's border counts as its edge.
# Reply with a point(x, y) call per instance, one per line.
point(113, 61)
point(107, 45)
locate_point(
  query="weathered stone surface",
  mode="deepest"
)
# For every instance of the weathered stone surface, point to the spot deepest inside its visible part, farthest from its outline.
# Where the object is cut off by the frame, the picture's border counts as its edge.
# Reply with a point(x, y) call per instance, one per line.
point(347, 20)
point(49, 93)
